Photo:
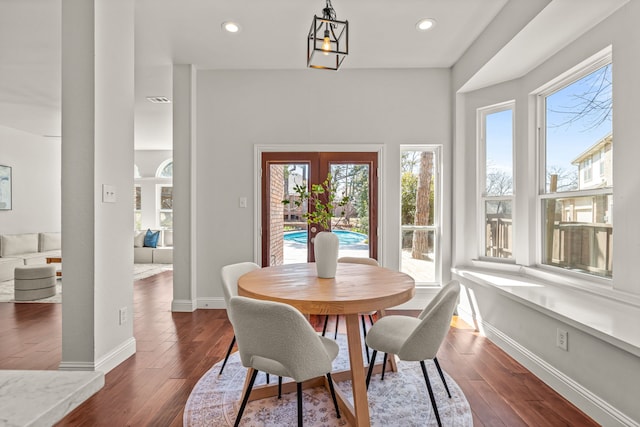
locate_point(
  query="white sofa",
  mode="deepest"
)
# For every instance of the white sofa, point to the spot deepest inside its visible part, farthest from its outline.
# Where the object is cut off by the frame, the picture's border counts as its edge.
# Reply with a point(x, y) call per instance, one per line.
point(162, 254)
point(18, 250)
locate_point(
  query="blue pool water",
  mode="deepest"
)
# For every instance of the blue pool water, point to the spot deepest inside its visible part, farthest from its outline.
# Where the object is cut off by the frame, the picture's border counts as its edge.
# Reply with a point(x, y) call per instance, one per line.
point(345, 237)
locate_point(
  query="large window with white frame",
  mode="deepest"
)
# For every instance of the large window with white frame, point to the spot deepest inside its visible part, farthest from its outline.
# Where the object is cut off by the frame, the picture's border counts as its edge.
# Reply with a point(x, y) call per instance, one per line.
point(496, 180)
point(420, 213)
point(576, 179)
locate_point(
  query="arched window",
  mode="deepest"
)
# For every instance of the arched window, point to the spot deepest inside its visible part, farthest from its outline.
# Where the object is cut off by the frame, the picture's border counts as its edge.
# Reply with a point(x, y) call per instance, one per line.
point(165, 170)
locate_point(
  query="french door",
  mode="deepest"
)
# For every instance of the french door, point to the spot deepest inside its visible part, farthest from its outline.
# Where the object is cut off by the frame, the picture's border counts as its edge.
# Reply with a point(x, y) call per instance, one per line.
point(286, 236)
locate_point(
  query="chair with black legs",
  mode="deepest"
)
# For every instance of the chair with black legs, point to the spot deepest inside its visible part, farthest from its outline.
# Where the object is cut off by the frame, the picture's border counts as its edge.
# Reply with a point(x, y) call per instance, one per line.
point(276, 338)
point(230, 275)
point(354, 260)
point(416, 339)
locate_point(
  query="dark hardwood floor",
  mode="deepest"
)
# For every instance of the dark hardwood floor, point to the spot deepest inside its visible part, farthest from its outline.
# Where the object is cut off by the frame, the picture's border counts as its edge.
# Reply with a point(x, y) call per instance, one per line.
point(175, 349)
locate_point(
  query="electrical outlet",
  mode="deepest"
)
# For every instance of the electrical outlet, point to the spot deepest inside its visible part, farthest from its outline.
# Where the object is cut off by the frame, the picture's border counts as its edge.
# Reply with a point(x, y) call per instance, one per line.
point(562, 339)
point(122, 315)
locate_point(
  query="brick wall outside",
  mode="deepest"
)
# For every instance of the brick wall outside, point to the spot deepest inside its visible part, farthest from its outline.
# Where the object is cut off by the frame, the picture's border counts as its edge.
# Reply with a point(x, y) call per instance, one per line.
point(276, 215)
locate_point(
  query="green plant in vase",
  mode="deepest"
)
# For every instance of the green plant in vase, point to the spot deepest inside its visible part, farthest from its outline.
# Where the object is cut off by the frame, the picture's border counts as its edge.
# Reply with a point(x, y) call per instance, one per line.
point(322, 203)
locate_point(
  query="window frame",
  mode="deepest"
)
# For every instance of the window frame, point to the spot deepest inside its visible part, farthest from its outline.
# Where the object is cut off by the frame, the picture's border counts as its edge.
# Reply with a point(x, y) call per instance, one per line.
point(159, 209)
point(136, 211)
point(597, 61)
point(481, 178)
point(437, 212)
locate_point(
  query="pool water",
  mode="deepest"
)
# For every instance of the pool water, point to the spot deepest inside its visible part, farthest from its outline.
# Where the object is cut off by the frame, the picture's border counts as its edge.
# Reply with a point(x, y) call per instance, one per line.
point(345, 237)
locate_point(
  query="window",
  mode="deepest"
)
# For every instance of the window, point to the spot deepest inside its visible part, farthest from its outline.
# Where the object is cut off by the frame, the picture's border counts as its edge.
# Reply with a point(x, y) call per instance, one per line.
point(420, 213)
point(496, 180)
point(137, 207)
point(165, 211)
point(576, 204)
point(165, 170)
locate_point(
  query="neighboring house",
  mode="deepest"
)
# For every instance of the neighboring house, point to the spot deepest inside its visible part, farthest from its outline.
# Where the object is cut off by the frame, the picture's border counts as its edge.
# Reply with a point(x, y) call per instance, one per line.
point(595, 165)
point(594, 171)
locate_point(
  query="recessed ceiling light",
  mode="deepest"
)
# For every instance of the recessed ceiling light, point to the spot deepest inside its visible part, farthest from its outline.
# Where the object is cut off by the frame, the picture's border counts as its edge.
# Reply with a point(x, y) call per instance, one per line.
point(425, 24)
point(230, 27)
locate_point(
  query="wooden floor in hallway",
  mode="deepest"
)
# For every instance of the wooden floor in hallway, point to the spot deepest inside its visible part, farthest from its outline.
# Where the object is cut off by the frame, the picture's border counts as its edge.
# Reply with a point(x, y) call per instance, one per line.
point(175, 349)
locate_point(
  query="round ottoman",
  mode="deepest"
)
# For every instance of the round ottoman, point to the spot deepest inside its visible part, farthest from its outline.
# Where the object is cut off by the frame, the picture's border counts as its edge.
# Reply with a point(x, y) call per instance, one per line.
point(33, 282)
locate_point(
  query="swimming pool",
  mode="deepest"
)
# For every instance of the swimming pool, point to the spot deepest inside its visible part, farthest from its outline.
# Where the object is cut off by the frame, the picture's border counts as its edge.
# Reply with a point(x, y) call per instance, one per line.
point(344, 236)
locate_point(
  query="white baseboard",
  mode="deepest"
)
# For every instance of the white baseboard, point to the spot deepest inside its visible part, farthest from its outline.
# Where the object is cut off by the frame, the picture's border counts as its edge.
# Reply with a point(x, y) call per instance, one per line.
point(584, 399)
point(211, 303)
point(183, 305)
point(105, 363)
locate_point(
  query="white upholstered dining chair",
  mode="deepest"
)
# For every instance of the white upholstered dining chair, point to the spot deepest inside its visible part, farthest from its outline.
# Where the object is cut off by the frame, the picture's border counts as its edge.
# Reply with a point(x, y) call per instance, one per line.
point(230, 275)
point(416, 339)
point(277, 339)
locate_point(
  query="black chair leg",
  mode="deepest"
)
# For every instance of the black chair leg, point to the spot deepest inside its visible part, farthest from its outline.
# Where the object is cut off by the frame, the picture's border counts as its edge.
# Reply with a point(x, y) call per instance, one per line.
point(430, 390)
point(279, 387)
point(364, 333)
point(299, 387)
point(384, 366)
point(324, 328)
point(373, 362)
point(245, 399)
point(435, 360)
point(267, 378)
point(233, 341)
point(335, 335)
point(333, 394)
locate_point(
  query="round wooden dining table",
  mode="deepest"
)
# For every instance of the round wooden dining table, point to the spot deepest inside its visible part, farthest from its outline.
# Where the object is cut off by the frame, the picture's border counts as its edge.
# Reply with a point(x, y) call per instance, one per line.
point(357, 288)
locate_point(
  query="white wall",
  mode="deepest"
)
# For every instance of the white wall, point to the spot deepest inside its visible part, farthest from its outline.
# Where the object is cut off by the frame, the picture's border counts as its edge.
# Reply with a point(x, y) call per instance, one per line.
point(238, 109)
point(529, 335)
point(35, 163)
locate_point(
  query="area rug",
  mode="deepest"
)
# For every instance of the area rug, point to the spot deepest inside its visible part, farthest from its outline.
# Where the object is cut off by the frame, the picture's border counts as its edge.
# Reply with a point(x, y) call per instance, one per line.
point(140, 271)
point(400, 400)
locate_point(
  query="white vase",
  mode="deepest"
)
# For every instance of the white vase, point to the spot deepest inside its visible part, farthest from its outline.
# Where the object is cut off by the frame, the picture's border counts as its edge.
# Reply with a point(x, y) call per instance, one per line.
point(325, 248)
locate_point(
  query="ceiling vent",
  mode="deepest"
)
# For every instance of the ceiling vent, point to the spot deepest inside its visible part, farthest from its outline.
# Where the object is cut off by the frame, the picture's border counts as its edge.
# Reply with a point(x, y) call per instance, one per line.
point(159, 99)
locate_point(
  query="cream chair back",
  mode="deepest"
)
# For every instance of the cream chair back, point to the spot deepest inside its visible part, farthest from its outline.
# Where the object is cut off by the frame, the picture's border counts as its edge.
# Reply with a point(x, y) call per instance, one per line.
point(276, 338)
point(425, 340)
point(358, 260)
point(230, 275)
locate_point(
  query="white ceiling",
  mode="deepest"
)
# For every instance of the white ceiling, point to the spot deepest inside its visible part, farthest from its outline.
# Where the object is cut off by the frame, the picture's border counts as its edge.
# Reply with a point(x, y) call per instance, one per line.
point(273, 36)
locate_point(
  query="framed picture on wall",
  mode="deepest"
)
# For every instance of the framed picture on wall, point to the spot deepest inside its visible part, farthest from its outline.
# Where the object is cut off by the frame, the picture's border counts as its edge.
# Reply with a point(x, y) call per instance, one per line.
point(5, 188)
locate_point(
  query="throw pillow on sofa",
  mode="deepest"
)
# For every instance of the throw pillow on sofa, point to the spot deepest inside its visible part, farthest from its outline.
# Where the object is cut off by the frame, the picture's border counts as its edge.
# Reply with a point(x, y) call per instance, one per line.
point(138, 239)
point(151, 239)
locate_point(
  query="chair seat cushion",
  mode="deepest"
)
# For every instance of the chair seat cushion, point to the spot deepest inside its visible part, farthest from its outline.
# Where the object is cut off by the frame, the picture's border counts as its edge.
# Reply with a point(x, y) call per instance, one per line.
point(389, 334)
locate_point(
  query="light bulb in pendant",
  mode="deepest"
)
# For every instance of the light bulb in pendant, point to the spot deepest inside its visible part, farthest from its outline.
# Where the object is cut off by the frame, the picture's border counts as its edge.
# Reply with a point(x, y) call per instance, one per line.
point(326, 45)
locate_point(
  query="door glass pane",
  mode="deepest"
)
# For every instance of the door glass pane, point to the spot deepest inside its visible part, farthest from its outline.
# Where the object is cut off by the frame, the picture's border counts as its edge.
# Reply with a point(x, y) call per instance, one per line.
point(287, 228)
point(351, 222)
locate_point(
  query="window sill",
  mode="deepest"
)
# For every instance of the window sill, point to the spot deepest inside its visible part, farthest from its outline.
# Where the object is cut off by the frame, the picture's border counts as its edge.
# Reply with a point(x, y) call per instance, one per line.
point(599, 311)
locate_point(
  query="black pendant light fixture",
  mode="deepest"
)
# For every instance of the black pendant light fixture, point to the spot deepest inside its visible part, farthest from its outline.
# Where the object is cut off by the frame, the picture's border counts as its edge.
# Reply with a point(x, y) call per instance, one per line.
point(328, 40)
